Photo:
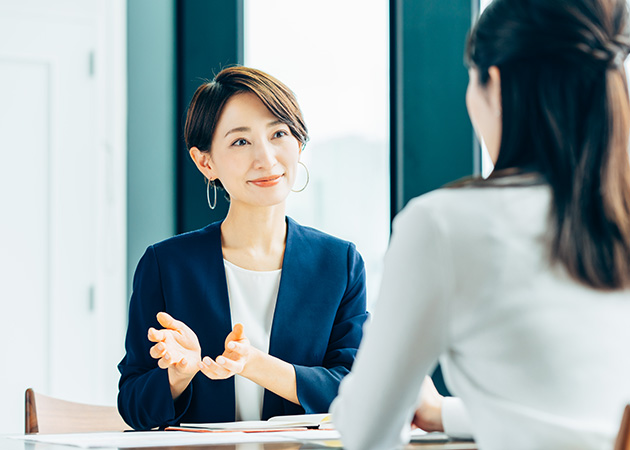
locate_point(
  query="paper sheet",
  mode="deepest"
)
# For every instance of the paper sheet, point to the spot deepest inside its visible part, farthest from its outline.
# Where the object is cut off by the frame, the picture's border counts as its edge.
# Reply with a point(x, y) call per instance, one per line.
point(419, 435)
point(152, 438)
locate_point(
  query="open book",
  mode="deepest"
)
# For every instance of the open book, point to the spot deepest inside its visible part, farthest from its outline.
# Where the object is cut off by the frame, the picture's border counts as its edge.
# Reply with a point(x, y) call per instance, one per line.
point(278, 423)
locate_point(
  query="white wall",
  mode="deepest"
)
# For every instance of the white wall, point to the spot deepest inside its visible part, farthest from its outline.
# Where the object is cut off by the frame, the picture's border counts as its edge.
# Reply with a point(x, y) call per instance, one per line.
point(62, 191)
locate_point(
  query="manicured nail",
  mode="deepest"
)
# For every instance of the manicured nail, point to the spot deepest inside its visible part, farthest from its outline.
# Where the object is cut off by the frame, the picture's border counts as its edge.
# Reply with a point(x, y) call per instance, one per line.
point(231, 345)
point(221, 360)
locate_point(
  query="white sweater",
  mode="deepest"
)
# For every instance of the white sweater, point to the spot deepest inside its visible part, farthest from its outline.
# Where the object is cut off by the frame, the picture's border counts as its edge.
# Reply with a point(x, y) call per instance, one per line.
point(539, 360)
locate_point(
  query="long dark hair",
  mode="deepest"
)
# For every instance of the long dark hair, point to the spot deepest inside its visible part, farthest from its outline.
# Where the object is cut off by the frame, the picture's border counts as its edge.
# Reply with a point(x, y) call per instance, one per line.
point(566, 115)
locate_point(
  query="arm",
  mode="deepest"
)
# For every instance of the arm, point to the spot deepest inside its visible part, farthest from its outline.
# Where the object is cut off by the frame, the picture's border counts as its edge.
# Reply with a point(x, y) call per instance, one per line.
point(311, 387)
point(318, 386)
point(145, 399)
point(437, 413)
point(177, 349)
point(408, 332)
point(241, 358)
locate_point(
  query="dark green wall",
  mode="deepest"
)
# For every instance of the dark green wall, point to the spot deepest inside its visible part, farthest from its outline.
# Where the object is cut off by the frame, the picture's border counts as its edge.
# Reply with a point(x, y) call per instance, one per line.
point(150, 125)
point(210, 37)
point(432, 138)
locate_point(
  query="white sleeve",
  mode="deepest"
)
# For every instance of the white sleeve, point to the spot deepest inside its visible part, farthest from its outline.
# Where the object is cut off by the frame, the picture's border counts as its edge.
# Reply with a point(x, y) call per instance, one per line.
point(407, 334)
point(455, 418)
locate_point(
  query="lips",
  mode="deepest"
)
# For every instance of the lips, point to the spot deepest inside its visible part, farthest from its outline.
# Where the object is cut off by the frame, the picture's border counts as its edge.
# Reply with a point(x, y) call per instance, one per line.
point(267, 181)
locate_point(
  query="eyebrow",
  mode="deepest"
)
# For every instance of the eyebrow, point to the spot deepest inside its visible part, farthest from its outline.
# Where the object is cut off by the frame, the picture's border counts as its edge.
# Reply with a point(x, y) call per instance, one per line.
point(244, 129)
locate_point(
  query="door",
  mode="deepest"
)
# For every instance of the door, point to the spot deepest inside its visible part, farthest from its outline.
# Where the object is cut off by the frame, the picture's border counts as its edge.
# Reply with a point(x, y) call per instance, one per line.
point(60, 214)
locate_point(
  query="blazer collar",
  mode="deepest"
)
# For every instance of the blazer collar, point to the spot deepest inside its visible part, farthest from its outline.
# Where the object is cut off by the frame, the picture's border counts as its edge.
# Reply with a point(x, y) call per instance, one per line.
point(290, 291)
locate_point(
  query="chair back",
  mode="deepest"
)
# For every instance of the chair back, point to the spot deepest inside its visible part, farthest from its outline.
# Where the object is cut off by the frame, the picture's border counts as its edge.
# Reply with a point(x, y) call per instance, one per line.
point(48, 415)
point(623, 438)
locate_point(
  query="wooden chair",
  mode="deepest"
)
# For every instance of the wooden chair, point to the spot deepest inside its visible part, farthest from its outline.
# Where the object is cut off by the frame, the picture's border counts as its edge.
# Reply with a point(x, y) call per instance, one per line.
point(46, 415)
point(623, 438)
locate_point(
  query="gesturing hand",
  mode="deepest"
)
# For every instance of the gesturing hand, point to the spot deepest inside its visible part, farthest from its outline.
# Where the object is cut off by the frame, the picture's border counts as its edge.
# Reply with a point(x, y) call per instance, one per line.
point(428, 414)
point(238, 353)
point(177, 348)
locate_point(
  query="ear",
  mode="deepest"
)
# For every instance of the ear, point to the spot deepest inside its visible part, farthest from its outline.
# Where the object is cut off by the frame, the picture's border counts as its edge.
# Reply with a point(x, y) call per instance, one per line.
point(203, 162)
point(493, 89)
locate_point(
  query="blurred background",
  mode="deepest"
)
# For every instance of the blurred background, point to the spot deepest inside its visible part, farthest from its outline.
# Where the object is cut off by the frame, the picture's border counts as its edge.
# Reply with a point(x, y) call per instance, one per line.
point(94, 169)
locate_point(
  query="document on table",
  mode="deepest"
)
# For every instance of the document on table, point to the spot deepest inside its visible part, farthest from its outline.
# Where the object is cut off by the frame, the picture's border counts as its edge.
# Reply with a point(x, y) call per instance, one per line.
point(322, 421)
point(418, 435)
point(137, 439)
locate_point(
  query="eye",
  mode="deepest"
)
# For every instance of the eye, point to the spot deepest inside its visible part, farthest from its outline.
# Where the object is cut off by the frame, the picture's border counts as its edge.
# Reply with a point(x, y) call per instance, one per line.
point(280, 133)
point(239, 142)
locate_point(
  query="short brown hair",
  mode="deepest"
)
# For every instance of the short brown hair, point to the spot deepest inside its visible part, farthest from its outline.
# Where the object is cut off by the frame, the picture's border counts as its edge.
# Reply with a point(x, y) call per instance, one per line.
point(207, 104)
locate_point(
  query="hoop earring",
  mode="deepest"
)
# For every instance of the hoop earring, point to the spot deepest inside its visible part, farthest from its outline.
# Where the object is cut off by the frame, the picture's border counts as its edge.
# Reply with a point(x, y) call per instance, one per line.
point(307, 178)
point(214, 185)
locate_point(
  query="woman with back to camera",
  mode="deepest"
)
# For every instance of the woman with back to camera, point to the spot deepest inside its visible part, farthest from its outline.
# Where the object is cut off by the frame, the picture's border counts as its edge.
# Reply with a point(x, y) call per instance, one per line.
point(279, 306)
point(520, 283)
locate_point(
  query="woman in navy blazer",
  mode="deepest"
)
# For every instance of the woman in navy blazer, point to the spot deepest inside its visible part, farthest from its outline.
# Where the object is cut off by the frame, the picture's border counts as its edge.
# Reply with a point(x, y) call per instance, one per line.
point(180, 283)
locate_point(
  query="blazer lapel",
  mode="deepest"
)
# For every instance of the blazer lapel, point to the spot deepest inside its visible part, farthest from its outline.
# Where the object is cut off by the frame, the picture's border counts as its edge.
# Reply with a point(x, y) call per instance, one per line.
point(288, 312)
point(221, 318)
point(289, 294)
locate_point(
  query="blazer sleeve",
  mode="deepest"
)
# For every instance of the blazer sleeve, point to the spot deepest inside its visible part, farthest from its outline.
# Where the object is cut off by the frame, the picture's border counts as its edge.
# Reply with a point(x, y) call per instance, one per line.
point(144, 395)
point(318, 386)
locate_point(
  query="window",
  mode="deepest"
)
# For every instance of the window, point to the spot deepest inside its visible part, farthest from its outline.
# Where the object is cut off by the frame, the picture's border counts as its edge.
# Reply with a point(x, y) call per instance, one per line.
point(335, 57)
point(486, 162)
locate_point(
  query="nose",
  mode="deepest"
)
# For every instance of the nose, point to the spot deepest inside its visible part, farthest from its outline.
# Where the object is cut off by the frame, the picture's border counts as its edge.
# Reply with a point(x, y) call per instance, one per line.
point(264, 155)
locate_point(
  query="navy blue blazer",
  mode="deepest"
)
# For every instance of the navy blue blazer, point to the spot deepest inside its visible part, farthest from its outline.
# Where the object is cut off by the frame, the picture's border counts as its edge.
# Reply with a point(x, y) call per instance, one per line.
point(317, 325)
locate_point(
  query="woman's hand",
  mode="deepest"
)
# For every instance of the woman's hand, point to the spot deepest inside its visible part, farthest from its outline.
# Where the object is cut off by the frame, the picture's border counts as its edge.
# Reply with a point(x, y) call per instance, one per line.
point(428, 414)
point(177, 349)
point(238, 353)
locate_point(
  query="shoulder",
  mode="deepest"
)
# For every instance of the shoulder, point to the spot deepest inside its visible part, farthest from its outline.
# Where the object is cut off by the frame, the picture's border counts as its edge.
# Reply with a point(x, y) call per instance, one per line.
point(191, 236)
point(311, 237)
point(190, 246)
point(468, 206)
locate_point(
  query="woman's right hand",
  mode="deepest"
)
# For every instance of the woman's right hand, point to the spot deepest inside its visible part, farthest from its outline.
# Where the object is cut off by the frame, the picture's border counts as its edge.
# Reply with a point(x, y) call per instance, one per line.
point(428, 415)
point(177, 349)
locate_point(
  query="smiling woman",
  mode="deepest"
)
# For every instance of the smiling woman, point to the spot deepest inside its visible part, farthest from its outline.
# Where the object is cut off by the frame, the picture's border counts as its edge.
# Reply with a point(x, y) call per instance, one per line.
point(278, 307)
point(252, 149)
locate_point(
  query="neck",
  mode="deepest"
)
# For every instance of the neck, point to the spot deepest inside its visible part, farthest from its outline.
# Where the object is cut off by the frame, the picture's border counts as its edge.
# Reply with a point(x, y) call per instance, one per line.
point(257, 229)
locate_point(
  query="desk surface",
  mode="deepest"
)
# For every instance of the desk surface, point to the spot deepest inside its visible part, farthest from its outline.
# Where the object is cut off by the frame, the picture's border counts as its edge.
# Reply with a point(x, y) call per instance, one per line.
point(14, 444)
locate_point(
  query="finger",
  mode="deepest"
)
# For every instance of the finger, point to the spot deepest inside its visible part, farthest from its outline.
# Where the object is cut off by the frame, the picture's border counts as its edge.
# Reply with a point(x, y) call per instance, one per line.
point(212, 370)
point(237, 348)
point(184, 334)
point(167, 321)
point(236, 334)
point(157, 351)
point(165, 361)
point(235, 366)
point(238, 331)
point(156, 335)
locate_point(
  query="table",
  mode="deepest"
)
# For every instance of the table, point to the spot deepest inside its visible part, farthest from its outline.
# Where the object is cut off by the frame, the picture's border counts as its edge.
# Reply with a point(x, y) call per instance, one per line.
point(13, 444)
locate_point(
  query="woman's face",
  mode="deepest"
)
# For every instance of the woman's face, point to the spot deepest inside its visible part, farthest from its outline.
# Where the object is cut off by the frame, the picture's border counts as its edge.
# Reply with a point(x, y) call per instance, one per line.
point(484, 109)
point(253, 154)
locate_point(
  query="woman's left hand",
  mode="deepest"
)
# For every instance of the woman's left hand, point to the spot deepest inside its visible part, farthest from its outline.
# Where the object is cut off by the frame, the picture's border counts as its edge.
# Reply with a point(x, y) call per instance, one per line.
point(238, 353)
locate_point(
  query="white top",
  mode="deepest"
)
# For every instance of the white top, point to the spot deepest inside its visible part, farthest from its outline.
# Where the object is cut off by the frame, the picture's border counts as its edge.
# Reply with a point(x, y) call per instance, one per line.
point(539, 360)
point(455, 418)
point(252, 297)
